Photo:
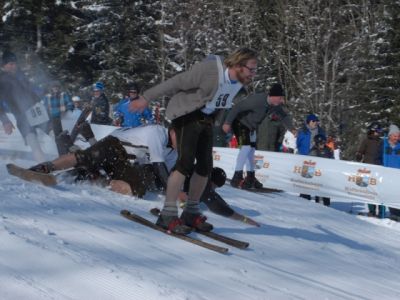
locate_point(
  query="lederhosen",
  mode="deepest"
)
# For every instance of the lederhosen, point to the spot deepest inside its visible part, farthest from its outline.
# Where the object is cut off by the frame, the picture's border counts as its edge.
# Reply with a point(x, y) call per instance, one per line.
point(110, 155)
point(194, 137)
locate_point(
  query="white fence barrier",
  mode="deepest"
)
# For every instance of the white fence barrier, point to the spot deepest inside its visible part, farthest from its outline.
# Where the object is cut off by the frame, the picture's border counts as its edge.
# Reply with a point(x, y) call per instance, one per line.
point(316, 176)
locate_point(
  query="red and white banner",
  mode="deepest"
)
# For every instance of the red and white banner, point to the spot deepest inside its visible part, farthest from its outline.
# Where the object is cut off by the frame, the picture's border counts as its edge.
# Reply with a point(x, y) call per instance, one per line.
point(315, 176)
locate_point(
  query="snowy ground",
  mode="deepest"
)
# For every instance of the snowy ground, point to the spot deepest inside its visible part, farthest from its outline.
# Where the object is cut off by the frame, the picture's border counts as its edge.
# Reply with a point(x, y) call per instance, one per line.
point(69, 242)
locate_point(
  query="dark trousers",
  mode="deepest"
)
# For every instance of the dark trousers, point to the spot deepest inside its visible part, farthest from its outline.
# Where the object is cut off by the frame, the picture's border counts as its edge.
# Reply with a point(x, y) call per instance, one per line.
point(194, 135)
point(57, 126)
point(242, 134)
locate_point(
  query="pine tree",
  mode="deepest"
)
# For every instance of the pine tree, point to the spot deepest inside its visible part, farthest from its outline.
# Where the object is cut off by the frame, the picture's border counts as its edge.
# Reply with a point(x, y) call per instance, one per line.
point(392, 61)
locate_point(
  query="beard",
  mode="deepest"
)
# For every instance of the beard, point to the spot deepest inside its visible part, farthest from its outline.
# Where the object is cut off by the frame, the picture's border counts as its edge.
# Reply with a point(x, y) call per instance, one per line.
point(243, 79)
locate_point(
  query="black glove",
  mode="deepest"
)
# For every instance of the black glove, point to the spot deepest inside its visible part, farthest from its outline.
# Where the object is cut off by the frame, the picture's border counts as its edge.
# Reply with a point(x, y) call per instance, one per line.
point(86, 131)
point(359, 156)
point(161, 172)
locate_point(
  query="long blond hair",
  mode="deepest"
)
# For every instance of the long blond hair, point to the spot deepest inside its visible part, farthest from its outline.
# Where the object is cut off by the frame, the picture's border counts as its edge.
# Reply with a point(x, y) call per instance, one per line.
point(240, 57)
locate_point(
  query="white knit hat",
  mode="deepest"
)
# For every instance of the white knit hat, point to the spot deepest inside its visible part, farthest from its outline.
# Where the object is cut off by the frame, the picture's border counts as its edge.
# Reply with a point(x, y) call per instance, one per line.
point(393, 129)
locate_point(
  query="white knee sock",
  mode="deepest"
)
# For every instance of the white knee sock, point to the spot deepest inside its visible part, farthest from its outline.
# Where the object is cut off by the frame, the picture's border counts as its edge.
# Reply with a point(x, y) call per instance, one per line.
point(250, 160)
point(242, 157)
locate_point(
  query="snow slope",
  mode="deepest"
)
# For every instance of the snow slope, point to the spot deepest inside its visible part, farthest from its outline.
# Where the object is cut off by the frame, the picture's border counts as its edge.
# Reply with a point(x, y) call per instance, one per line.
point(69, 242)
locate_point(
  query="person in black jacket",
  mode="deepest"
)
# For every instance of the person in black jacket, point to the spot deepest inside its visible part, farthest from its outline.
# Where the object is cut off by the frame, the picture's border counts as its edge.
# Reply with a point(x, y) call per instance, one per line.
point(18, 97)
point(370, 152)
point(100, 106)
point(320, 149)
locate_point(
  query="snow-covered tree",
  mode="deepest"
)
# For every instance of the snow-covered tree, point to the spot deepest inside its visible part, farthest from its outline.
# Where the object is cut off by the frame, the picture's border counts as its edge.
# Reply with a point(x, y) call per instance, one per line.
point(337, 59)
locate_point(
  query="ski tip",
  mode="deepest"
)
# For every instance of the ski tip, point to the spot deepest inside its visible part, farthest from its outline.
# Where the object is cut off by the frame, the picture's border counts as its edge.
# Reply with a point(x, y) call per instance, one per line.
point(155, 211)
point(11, 166)
point(125, 212)
point(31, 176)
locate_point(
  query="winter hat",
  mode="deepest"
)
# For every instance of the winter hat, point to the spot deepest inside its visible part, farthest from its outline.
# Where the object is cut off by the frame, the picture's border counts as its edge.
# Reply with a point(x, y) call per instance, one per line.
point(8, 57)
point(393, 129)
point(311, 117)
point(375, 126)
point(133, 87)
point(276, 90)
point(76, 98)
point(98, 86)
point(320, 139)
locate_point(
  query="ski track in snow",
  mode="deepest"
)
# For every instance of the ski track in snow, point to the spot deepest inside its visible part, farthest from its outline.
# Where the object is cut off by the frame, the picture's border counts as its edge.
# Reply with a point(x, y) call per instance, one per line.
point(69, 242)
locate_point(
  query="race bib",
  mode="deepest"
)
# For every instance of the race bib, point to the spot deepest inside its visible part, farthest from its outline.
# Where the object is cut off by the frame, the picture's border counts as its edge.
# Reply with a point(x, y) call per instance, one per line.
point(37, 114)
point(222, 101)
point(226, 90)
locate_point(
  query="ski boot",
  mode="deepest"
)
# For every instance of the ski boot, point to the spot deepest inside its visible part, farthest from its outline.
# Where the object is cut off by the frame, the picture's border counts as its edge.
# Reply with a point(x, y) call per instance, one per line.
point(237, 179)
point(173, 224)
point(251, 181)
point(45, 167)
point(196, 220)
point(247, 183)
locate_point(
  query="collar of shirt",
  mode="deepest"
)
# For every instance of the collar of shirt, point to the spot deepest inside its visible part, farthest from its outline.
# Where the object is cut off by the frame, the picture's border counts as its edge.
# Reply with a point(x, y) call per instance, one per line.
point(227, 79)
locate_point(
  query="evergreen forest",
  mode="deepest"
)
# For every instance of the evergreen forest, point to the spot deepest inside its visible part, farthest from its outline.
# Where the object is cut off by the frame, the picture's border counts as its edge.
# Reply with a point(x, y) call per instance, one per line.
point(339, 59)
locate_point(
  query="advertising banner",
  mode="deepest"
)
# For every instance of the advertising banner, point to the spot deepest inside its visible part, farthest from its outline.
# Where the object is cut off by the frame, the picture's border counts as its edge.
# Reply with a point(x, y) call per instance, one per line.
point(315, 176)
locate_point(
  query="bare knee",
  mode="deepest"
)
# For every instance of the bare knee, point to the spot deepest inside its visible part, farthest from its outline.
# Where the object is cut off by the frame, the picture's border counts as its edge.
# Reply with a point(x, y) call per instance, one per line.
point(120, 186)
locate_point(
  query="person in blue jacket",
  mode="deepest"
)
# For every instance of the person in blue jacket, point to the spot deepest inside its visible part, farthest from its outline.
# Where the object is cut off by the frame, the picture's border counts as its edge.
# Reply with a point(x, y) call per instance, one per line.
point(305, 136)
point(391, 152)
point(126, 118)
point(57, 102)
point(305, 139)
point(391, 158)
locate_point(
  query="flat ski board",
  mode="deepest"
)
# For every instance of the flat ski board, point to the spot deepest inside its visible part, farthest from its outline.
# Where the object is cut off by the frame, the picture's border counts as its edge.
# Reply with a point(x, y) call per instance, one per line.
point(218, 237)
point(28, 175)
point(138, 219)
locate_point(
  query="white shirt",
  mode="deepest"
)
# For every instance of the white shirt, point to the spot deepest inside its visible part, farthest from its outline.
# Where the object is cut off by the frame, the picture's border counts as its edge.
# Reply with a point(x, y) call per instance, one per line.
point(289, 141)
point(148, 143)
